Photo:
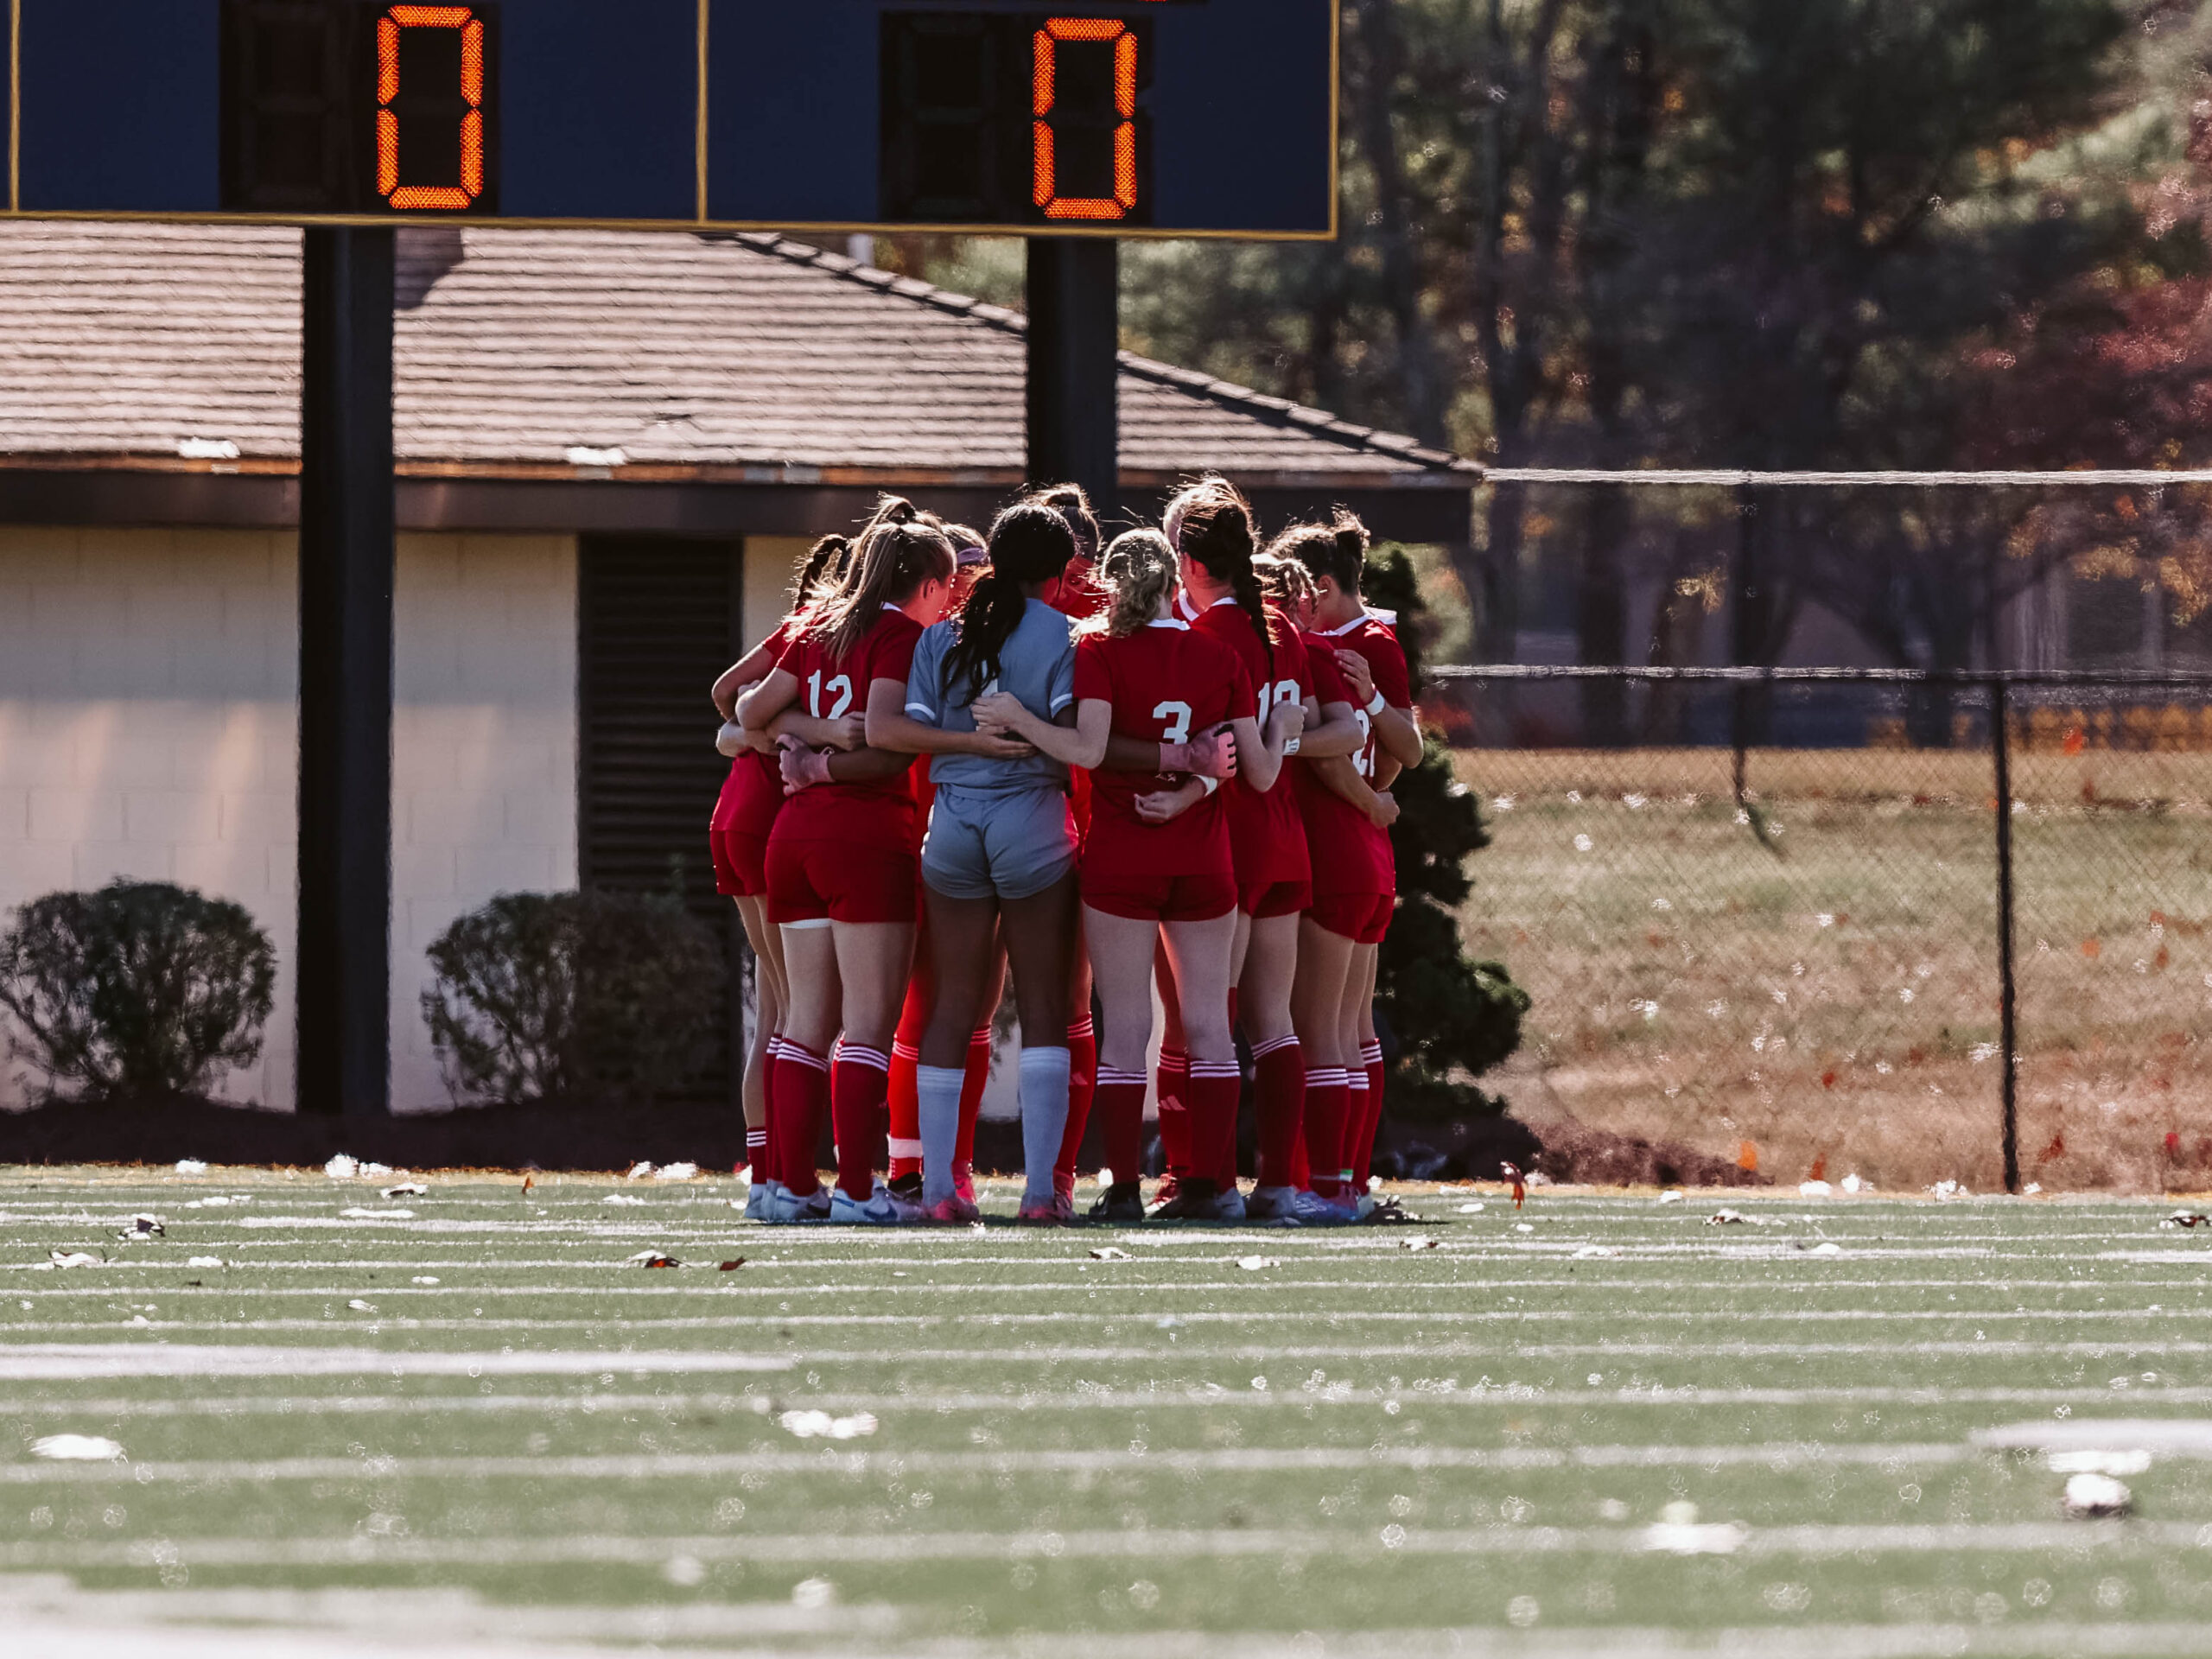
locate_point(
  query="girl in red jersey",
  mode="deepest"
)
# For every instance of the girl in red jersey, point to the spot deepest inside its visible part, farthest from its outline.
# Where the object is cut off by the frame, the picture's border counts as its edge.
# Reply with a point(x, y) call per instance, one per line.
point(1348, 814)
point(1157, 859)
point(738, 833)
point(1211, 525)
point(841, 864)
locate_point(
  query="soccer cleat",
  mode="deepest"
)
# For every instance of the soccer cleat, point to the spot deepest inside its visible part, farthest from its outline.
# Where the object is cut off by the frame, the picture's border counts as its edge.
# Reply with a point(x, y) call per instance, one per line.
point(1293, 1205)
point(1063, 1189)
point(1124, 1201)
point(882, 1208)
point(1374, 1209)
point(954, 1211)
point(785, 1206)
point(1194, 1203)
point(1056, 1211)
point(1169, 1190)
point(908, 1188)
point(964, 1184)
point(757, 1200)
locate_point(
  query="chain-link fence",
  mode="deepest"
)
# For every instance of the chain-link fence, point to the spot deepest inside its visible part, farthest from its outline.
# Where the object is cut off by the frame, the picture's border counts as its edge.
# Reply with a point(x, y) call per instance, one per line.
point(1785, 921)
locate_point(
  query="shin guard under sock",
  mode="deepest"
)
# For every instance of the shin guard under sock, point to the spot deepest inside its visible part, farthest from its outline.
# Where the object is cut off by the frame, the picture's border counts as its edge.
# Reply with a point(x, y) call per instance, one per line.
point(937, 1089)
point(1119, 1103)
point(1279, 1083)
point(802, 1097)
point(1044, 1119)
point(975, 1079)
point(858, 1092)
point(1370, 1056)
point(1327, 1102)
point(1175, 1111)
point(1215, 1088)
point(1083, 1078)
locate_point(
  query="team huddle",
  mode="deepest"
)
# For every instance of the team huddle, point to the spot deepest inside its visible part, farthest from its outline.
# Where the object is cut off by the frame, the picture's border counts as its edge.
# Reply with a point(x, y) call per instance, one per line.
point(1160, 765)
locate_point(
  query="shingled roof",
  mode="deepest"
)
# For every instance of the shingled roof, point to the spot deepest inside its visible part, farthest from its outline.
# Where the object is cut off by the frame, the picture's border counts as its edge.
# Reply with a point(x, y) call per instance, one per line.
point(558, 354)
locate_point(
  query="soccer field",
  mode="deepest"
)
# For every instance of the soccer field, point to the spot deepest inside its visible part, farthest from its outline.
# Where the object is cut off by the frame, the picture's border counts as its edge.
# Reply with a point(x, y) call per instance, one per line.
point(459, 1423)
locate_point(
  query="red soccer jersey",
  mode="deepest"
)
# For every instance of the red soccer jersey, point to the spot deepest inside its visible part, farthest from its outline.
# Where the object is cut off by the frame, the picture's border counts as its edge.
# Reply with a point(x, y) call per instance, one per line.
point(1349, 854)
point(1080, 596)
point(1167, 683)
point(753, 792)
point(882, 809)
point(1266, 830)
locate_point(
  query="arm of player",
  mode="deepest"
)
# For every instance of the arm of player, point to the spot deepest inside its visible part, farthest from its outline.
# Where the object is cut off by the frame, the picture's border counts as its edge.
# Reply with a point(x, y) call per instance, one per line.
point(1396, 731)
point(748, 670)
point(1264, 749)
point(760, 706)
point(1165, 806)
point(802, 768)
point(1339, 776)
point(847, 732)
point(1084, 746)
point(1210, 755)
point(898, 728)
point(1331, 728)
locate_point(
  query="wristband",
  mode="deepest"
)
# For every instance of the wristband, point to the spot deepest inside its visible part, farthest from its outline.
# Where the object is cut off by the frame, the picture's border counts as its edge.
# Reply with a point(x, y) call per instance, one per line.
point(1211, 784)
point(1291, 747)
point(1377, 704)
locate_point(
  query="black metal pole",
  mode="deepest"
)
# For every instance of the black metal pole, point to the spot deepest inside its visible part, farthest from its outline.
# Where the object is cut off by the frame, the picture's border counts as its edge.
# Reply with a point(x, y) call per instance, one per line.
point(1074, 286)
point(2000, 740)
point(346, 528)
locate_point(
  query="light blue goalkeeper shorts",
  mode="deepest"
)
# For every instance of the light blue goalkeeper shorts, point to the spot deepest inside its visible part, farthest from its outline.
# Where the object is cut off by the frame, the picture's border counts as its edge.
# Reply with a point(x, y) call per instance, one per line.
point(1003, 844)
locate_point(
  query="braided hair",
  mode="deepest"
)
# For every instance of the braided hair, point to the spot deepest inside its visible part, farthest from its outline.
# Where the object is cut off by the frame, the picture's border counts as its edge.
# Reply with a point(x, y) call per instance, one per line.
point(823, 571)
point(1212, 526)
point(1336, 549)
point(1138, 568)
point(901, 548)
point(1029, 542)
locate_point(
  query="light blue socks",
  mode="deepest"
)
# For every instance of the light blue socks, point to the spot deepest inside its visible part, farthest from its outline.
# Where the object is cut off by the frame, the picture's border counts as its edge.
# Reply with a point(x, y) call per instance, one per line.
point(937, 1089)
point(1044, 1118)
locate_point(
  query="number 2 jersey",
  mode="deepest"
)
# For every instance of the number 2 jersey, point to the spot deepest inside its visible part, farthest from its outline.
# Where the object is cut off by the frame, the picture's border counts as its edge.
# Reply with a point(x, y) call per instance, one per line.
point(881, 810)
point(1266, 830)
point(1349, 854)
point(1167, 683)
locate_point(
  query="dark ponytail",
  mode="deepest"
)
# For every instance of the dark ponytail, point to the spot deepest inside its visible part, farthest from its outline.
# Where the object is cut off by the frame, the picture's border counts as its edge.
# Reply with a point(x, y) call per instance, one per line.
point(823, 571)
point(1073, 503)
point(1336, 549)
point(1213, 530)
point(1030, 542)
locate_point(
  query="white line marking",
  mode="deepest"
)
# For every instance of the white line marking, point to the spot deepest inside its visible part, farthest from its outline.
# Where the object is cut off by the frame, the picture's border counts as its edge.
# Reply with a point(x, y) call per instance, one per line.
point(58, 1362)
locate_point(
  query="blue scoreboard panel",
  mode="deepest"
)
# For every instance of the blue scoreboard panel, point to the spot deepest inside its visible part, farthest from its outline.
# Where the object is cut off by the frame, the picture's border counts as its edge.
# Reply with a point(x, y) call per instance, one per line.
point(1125, 117)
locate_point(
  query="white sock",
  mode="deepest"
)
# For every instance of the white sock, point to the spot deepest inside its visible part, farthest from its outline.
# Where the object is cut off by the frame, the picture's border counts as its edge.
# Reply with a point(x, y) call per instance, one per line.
point(938, 1088)
point(1044, 1118)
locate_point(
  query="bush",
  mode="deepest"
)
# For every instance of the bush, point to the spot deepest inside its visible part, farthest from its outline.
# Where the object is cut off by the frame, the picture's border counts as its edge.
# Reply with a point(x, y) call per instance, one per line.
point(575, 997)
point(141, 990)
point(1447, 1014)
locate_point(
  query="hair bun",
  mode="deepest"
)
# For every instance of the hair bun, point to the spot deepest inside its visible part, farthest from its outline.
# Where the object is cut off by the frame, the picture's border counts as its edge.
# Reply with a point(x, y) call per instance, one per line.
point(897, 509)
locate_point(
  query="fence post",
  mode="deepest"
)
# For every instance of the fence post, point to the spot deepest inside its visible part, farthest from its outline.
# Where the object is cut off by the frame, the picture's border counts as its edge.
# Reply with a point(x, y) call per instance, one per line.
point(2000, 738)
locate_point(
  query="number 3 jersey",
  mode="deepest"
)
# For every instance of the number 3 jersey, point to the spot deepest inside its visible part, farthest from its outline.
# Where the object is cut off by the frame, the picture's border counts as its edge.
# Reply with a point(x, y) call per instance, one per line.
point(1265, 830)
point(881, 810)
point(1167, 683)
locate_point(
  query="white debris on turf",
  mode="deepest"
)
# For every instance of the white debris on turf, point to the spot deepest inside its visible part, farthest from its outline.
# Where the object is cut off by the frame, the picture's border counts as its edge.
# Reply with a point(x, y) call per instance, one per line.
point(359, 1307)
point(622, 1197)
point(1731, 1218)
point(1943, 1191)
point(1471, 1209)
point(1856, 1183)
point(217, 1202)
point(423, 1279)
point(1814, 1190)
point(73, 1259)
point(204, 1262)
point(140, 1227)
point(640, 1171)
point(2096, 1497)
point(1827, 1247)
point(2136, 1462)
point(342, 1168)
point(676, 1173)
point(650, 1259)
point(376, 1169)
point(1108, 1253)
point(1254, 1263)
point(1524, 1227)
point(1679, 1532)
point(1595, 1252)
point(76, 1448)
point(821, 1425)
point(1420, 1244)
point(812, 1595)
point(2031, 1189)
point(2187, 1218)
point(1672, 1195)
point(190, 1166)
point(407, 1189)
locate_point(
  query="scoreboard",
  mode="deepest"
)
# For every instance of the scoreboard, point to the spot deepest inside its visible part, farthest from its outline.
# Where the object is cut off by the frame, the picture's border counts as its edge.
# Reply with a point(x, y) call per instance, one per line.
point(1124, 118)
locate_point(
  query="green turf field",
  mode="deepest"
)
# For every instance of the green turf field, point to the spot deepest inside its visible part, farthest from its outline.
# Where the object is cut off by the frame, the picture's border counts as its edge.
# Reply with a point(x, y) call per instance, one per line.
point(457, 1423)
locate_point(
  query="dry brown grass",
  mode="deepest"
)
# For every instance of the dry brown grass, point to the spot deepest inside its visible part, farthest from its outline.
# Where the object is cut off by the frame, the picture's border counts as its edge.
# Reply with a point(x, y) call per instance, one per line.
point(1830, 997)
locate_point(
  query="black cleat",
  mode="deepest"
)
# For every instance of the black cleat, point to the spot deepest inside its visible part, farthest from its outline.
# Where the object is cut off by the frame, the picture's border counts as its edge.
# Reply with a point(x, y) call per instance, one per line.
point(1124, 1201)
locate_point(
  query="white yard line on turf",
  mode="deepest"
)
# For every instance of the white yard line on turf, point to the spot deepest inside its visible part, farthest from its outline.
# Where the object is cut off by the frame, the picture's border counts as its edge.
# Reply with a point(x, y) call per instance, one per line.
point(1780, 1457)
point(815, 1549)
point(57, 1362)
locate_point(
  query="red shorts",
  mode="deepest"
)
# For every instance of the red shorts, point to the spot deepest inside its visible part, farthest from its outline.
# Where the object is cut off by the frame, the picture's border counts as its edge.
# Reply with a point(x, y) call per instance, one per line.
point(1162, 898)
point(740, 863)
point(1363, 918)
point(1270, 899)
point(811, 879)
